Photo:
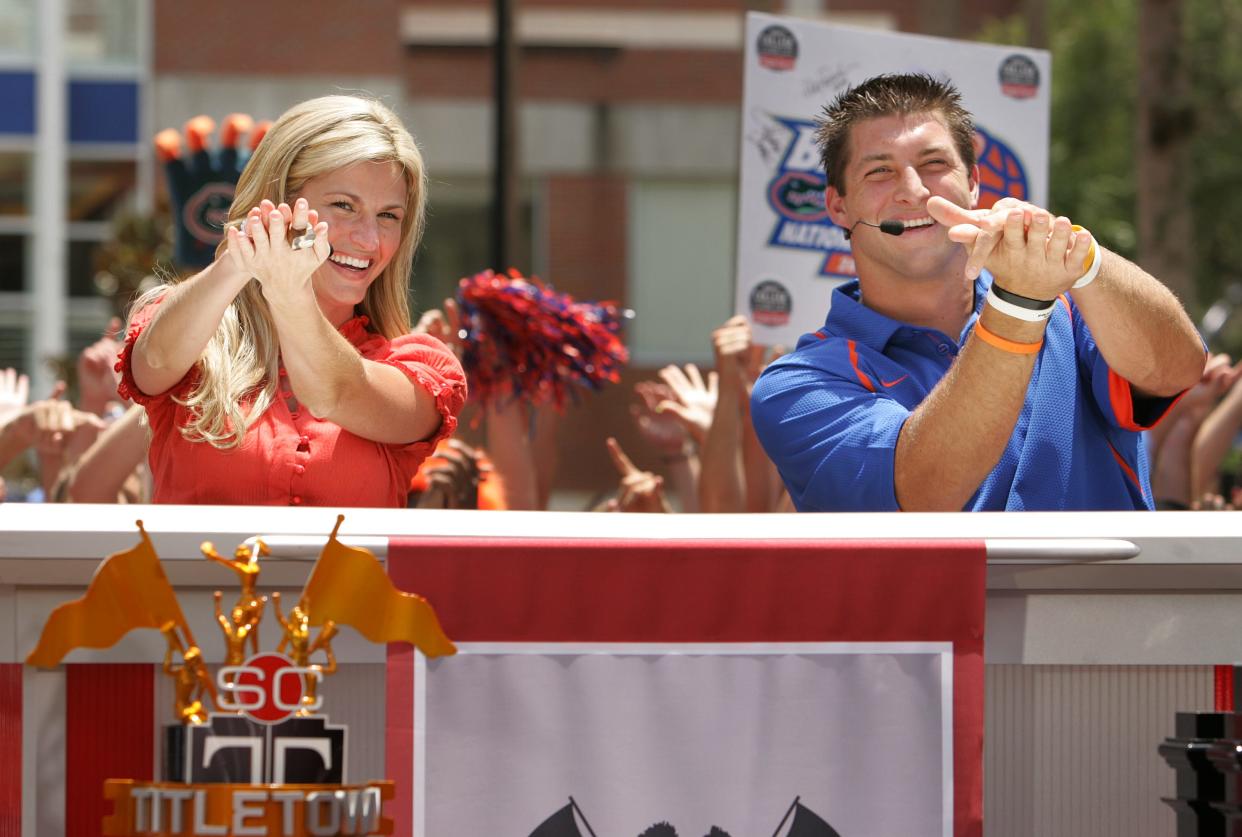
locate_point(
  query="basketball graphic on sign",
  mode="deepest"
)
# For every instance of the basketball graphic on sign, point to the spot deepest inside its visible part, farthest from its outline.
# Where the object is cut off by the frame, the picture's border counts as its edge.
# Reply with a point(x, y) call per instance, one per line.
point(1001, 174)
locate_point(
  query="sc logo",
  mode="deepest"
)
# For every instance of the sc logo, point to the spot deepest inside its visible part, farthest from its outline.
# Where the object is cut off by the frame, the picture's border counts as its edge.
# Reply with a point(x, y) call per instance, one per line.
point(268, 688)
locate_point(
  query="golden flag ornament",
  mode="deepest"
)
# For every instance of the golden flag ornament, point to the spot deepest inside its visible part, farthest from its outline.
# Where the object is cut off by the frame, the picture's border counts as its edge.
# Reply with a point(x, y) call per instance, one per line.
point(350, 587)
point(129, 590)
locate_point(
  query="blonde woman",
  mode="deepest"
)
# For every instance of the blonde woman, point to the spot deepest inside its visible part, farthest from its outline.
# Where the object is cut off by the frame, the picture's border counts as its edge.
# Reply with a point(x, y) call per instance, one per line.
point(284, 373)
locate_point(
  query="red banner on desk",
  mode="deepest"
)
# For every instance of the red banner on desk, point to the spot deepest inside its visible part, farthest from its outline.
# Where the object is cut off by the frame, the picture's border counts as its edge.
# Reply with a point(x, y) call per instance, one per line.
point(736, 688)
point(10, 750)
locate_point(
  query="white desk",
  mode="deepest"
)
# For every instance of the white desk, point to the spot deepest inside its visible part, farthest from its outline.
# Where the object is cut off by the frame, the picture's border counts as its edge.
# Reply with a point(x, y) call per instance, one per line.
point(1089, 652)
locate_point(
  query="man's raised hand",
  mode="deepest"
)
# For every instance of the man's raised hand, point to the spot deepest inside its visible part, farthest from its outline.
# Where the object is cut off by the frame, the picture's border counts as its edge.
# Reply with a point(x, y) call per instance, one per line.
point(1028, 250)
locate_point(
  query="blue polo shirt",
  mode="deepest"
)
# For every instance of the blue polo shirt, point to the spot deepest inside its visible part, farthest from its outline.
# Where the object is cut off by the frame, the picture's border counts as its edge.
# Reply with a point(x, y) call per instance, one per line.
point(829, 413)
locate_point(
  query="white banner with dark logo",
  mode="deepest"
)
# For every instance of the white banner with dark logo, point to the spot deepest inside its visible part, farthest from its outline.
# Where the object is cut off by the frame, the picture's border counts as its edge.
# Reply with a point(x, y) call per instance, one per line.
point(790, 255)
point(686, 739)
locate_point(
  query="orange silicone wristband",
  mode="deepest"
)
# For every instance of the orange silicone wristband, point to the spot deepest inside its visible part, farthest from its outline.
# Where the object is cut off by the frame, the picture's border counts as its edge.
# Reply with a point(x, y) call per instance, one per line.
point(1007, 345)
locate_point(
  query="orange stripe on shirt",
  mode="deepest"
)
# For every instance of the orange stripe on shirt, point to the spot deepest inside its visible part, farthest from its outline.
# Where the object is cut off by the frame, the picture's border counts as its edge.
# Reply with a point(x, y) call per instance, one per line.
point(1129, 472)
point(862, 376)
point(1121, 397)
point(1122, 400)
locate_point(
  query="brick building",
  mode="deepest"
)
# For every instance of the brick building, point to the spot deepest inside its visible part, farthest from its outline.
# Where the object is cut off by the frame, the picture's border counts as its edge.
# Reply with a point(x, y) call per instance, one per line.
point(629, 132)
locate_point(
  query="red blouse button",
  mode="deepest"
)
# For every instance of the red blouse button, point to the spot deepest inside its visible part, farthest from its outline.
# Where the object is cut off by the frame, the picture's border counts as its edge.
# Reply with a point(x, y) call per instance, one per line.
point(299, 469)
point(296, 501)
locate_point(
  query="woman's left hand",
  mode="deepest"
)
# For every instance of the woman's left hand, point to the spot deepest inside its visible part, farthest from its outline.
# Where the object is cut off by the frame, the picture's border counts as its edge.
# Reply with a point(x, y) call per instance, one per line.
point(265, 252)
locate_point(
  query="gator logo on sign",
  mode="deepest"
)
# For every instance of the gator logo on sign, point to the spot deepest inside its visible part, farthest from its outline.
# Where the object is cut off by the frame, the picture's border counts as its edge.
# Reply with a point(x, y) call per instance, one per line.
point(795, 193)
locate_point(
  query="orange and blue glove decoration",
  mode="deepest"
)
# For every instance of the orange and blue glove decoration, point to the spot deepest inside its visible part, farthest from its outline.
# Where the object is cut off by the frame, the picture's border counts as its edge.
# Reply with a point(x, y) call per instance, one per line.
point(201, 181)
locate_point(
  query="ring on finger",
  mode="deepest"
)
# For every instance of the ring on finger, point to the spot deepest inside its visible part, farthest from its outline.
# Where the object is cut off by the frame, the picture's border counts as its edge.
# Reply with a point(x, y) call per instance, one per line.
point(305, 240)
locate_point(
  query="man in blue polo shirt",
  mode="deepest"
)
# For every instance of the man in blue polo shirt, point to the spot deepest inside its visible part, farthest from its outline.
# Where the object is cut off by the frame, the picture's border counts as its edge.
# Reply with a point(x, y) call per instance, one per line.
point(984, 359)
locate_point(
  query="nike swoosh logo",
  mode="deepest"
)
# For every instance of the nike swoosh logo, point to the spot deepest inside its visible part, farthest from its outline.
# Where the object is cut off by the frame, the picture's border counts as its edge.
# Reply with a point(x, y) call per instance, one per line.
point(896, 382)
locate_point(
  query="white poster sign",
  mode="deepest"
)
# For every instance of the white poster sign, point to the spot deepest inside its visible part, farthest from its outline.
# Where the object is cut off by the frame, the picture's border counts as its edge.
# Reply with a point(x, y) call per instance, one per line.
point(790, 255)
point(824, 739)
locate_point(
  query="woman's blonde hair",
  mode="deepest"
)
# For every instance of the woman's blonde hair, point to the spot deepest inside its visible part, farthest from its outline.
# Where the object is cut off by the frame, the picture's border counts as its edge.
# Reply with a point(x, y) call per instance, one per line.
point(310, 139)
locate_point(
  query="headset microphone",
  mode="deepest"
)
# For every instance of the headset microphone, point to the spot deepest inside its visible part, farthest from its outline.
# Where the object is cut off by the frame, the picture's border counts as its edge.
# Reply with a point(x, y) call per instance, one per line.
point(890, 226)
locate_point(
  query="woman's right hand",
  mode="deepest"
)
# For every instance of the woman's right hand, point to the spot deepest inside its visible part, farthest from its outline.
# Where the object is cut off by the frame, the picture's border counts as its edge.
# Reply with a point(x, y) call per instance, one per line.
point(265, 252)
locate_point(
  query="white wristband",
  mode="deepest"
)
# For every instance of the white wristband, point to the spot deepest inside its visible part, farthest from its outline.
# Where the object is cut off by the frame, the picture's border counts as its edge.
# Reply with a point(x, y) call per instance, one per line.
point(1093, 256)
point(1017, 311)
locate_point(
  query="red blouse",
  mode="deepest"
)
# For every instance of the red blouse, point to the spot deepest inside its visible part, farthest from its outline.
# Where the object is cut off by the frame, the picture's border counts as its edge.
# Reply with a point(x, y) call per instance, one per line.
point(293, 458)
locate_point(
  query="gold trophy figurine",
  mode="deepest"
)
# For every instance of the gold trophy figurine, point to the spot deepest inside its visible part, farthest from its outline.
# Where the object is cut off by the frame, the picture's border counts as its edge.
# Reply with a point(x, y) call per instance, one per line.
point(301, 648)
point(191, 680)
point(248, 609)
point(241, 624)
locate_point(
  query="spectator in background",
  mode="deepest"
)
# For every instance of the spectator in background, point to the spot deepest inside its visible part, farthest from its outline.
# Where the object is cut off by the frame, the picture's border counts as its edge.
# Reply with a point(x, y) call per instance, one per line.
point(666, 432)
point(112, 470)
point(517, 459)
point(1191, 448)
point(1213, 442)
point(457, 476)
point(639, 490)
point(97, 375)
point(56, 431)
point(14, 396)
point(1170, 444)
point(715, 461)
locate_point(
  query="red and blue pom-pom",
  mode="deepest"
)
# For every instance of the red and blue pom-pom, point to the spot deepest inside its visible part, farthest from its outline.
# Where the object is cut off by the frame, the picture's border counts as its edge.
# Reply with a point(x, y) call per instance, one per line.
point(522, 339)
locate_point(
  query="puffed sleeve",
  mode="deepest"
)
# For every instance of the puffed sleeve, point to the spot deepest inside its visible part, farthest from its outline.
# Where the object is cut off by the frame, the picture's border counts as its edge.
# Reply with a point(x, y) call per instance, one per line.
point(127, 388)
point(430, 365)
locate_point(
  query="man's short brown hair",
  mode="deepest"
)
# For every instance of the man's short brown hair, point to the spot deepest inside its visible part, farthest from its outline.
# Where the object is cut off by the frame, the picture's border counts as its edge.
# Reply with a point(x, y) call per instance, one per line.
point(890, 95)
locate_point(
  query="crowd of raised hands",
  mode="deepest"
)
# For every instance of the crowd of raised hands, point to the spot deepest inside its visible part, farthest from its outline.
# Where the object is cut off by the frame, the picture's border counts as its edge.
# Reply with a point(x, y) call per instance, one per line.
point(1191, 447)
point(700, 426)
point(694, 424)
point(695, 428)
point(88, 451)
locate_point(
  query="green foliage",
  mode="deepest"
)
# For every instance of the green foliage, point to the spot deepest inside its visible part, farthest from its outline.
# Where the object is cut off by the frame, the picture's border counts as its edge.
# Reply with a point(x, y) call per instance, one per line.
point(1094, 50)
point(1091, 158)
point(1094, 81)
point(1231, 466)
point(1214, 52)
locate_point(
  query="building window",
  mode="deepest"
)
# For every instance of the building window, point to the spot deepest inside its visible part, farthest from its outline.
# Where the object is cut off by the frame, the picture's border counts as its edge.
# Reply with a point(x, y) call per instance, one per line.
point(99, 188)
point(102, 32)
point(681, 251)
point(82, 268)
point(457, 242)
point(12, 263)
point(17, 28)
point(14, 183)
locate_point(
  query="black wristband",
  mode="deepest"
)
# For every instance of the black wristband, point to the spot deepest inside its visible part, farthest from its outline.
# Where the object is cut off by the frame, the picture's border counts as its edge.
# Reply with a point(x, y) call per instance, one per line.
point(1022, 301)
